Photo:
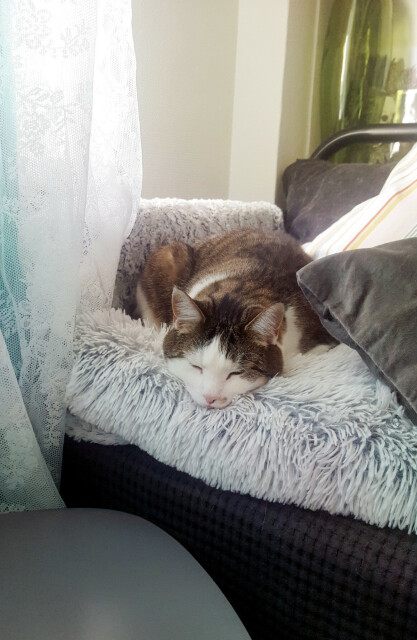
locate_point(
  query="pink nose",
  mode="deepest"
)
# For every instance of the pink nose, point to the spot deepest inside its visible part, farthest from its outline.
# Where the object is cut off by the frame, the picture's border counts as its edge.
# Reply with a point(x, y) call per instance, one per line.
point(209, 399)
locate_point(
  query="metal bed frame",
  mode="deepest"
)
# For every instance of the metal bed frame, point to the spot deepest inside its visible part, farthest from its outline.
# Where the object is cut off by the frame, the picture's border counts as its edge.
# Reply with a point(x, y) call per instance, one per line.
point(402, 132)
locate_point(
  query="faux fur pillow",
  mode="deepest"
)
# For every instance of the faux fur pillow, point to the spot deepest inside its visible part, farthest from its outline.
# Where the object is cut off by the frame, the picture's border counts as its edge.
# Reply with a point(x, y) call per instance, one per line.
point(329, 435)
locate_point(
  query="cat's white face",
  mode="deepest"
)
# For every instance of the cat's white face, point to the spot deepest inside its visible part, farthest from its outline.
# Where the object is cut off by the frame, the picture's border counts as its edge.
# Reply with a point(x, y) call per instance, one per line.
point(212, 379)
point(217, 358)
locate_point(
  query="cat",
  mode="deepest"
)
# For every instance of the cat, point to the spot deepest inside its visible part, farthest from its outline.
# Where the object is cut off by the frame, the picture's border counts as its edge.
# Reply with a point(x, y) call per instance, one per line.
point(235, 311)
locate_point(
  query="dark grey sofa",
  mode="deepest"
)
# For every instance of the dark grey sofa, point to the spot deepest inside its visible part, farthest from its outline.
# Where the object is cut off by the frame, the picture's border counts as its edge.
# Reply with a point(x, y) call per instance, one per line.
point(289, 572)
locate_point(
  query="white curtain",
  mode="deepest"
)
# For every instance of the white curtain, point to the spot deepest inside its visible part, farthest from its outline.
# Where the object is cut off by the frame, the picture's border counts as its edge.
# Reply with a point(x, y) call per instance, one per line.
point(70, 179)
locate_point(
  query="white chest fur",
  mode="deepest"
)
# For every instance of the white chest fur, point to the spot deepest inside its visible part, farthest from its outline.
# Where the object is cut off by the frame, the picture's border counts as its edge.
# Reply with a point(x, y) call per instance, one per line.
point(143, 307)
point(290, 345)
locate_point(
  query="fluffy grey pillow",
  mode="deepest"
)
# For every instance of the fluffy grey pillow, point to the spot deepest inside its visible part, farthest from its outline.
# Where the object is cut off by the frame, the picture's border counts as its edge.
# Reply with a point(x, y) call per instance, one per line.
point(368, 299)
point(318, 193)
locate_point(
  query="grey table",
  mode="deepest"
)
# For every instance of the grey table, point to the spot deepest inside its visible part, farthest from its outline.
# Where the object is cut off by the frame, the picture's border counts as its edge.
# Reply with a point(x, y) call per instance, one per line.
point(104, 575)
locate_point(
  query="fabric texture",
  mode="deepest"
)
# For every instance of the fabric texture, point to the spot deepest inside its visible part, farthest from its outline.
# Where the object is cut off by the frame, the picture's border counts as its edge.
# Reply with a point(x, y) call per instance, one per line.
point(163, 220)
point(318, 192)
point(70, 178)
point(290, 573)
point(368, 300)
point(327, 436)
point(389, 216)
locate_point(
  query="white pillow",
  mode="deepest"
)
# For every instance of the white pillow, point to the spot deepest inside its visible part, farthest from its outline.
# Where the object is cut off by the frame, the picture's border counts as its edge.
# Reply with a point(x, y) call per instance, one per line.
point(389, 216)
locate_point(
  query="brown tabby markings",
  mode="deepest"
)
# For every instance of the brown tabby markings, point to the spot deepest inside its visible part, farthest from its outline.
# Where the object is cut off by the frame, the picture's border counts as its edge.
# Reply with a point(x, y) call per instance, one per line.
point(263, 268)
point(237, 346)
point(238, 279)
point(167, 266)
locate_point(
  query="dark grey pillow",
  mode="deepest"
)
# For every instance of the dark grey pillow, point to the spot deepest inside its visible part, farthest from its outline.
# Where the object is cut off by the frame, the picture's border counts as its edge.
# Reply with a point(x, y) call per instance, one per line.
point(318, 193)
point(368, 299)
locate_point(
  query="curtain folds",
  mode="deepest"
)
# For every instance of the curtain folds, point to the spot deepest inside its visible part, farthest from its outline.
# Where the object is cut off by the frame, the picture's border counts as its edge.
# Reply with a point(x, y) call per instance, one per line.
point(70, 179)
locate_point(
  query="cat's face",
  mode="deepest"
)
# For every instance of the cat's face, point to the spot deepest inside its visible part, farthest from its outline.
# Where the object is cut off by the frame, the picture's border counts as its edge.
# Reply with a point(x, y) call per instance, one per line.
point(218, 352)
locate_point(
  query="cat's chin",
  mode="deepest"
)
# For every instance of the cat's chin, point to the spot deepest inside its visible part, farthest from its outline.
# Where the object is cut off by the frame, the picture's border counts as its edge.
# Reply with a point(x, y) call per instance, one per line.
point(223, 406)
point(204, 405)
point(198, 398)
point(201, 402)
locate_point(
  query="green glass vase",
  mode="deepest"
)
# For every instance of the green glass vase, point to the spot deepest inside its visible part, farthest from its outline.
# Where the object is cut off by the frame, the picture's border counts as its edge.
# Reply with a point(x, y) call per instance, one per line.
point(355, 64)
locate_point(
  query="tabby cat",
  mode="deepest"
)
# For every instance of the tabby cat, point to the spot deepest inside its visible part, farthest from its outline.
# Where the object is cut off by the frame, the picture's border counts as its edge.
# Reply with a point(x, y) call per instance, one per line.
point(235, 311)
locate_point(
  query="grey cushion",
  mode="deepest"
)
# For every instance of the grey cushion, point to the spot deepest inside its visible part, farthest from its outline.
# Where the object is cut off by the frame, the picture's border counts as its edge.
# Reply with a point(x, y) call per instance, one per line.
point(368, 299)
point(318, 193)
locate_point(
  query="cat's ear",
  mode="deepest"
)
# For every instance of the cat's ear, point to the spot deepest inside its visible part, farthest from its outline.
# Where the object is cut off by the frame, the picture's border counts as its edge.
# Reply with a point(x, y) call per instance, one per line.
point(266, 325)
point(186, 312)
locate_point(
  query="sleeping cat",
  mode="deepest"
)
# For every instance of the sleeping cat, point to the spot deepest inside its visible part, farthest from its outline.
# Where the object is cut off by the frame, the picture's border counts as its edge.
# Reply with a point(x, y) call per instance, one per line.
point(235, 310)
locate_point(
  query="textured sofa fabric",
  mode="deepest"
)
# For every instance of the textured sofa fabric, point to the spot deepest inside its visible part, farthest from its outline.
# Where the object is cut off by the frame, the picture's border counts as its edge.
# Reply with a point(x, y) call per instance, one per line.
point(319, 192)
point(290, 573)
point(368, 300)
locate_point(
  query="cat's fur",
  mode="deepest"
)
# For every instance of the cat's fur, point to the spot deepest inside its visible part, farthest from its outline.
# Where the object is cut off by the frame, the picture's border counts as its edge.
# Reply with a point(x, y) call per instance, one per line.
point(235, 310)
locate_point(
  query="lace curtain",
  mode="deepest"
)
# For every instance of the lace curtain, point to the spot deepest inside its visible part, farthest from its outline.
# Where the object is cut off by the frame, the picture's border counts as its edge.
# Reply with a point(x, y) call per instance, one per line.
point(70, 178)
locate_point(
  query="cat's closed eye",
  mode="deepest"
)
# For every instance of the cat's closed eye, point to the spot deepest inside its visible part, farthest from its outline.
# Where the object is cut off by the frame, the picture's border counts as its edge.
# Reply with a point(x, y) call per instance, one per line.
point(234, 373)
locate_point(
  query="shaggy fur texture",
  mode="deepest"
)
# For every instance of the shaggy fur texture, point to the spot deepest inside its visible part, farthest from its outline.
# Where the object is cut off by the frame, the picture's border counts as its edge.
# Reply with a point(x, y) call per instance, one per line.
point(328, 436)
